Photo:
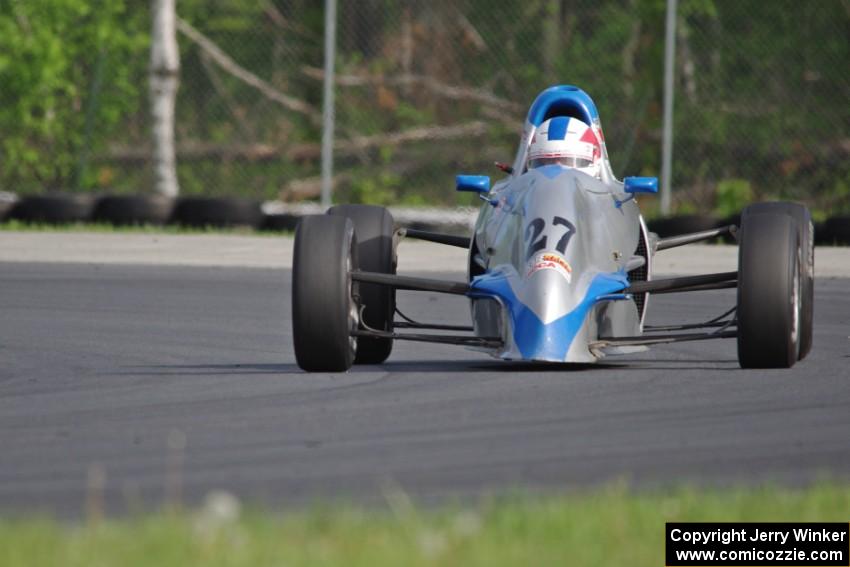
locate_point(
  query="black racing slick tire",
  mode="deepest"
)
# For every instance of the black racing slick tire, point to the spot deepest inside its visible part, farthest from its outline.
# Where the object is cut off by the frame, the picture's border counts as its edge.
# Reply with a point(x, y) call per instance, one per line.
point(324, 306)
point(770, 274)
point(806, 232)
point(376, 253)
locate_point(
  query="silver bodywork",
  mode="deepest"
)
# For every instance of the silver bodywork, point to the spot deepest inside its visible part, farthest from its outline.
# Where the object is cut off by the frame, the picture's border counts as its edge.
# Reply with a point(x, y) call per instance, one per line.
point(553, 250)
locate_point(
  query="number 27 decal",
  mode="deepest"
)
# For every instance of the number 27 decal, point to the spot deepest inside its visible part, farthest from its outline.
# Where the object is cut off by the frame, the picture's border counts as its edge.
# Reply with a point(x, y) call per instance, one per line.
point(537, 241)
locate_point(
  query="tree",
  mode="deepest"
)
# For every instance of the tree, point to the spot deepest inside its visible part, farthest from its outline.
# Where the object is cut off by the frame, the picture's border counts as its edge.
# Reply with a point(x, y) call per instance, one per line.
point(49, 92)
point(164, 80)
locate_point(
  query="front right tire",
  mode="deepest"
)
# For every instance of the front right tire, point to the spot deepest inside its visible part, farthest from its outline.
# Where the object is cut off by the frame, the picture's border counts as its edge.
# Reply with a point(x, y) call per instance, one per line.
point(770, 290)
point(805, 227)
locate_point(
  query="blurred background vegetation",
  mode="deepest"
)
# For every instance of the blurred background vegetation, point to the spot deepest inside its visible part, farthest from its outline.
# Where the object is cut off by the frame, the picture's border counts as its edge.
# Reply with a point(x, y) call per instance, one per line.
point(427, 88)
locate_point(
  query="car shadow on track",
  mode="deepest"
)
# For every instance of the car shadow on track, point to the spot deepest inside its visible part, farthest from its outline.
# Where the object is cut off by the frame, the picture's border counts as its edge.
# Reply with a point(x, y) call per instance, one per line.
point(401, 366)
point(208, 369)
point(668, 364)
point(431, 366)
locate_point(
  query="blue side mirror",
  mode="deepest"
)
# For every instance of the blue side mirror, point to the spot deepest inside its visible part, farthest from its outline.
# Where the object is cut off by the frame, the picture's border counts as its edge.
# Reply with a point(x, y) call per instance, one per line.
point(473, 183)
point(640, 185)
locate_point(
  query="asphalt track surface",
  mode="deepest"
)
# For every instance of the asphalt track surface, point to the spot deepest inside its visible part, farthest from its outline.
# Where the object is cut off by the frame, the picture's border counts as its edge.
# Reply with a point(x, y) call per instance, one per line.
point(111, 368)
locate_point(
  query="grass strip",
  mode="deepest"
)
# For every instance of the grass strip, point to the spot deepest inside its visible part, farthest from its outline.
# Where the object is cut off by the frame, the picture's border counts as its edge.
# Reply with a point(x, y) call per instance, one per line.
point(610, 526)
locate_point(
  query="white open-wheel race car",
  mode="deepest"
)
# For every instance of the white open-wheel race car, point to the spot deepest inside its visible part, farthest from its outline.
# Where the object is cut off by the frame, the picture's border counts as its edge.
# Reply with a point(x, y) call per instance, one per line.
point(559, 268)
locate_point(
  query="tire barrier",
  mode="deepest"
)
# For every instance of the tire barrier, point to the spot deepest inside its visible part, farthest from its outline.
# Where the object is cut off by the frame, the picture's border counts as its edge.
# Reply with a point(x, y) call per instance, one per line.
point(124, 210)
point(819, 234)
point(219, 212)
point(7, 201)
point(672, 226)
point(279, 222)
point(54, 208)
point(835, 231)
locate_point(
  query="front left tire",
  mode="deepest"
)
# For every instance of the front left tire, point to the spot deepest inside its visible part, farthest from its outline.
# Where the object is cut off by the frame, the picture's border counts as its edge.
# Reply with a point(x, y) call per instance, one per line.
point(325, 309)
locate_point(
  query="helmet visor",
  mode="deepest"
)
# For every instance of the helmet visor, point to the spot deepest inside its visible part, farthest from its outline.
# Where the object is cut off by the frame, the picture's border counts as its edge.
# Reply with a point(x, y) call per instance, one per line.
point(566, 161)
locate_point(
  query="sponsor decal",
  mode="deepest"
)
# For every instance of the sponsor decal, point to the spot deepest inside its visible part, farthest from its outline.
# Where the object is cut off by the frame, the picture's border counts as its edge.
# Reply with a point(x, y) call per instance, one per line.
point(551, 261)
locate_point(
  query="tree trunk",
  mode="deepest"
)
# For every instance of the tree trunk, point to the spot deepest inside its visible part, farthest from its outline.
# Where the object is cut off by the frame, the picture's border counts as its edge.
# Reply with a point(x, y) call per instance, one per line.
point(164, 80)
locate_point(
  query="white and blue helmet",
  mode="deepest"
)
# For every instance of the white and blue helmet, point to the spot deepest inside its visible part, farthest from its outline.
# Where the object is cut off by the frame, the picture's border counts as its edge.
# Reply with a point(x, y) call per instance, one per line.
point(568, 142)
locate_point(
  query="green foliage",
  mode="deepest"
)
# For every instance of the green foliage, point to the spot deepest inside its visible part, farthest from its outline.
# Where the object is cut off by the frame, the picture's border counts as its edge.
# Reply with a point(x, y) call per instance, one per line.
point(376, 189)
point(760, 92)
point(838, 195)
point(48, 51)
point(732, 196)
point(760, 100)
point(227, 110)
point(612, 525)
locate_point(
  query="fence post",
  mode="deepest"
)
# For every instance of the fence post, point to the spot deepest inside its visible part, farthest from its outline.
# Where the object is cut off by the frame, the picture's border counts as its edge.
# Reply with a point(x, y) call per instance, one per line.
point(328, 102)
point(92, 105)
point(164, 80)
point(667, 141)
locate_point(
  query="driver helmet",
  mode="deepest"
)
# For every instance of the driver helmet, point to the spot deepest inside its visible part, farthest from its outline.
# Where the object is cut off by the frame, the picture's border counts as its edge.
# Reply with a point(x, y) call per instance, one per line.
point(568, 142)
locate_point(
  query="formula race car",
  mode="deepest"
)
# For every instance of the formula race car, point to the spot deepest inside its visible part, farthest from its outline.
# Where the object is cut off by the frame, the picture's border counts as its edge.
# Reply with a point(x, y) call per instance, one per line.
point(559, 267)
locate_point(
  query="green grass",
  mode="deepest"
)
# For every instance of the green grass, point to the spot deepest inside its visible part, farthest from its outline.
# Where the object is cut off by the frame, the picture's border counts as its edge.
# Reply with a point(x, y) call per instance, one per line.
point(611, 526)
point(18, 226)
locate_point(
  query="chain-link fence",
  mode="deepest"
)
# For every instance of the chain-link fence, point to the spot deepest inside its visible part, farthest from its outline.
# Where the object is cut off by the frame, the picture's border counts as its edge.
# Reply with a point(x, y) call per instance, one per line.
point(761, 108)
point(248, 114)
point(763, 104)
point(428, 88)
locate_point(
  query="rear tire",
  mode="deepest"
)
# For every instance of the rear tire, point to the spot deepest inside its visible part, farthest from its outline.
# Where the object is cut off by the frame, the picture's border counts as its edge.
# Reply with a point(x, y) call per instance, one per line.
point(324, 307)
point(376, 253)
point(770, 275)
point(806, 229)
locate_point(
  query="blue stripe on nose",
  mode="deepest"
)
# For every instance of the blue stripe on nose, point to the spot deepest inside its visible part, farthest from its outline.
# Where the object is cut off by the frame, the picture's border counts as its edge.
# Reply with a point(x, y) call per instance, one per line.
point(534, 339)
